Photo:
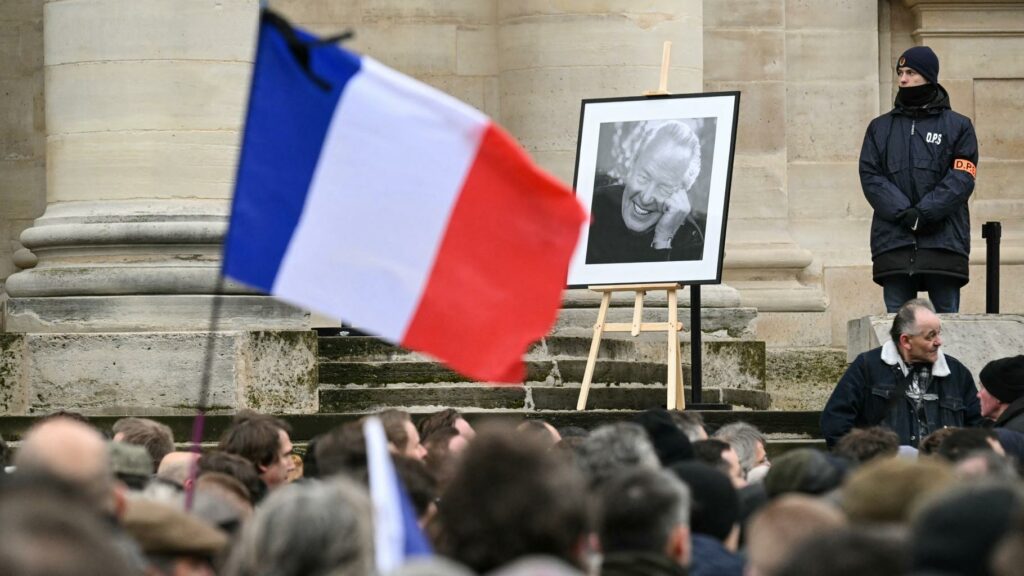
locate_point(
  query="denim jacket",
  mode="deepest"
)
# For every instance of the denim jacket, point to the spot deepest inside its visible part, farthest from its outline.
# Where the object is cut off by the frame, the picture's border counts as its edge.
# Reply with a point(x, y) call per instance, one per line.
point(862, 398)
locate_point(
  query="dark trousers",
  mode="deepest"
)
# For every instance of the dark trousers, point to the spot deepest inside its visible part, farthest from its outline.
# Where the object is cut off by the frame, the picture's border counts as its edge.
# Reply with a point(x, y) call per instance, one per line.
point(943, 291)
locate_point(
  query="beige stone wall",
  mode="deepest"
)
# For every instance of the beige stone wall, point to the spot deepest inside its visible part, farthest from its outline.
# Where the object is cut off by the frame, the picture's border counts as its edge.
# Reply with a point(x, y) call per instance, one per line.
point(22, 126)
point(812, 75)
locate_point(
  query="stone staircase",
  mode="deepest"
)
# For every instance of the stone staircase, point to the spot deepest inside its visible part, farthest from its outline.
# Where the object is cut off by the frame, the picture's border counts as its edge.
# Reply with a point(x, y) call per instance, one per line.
point(359, 373)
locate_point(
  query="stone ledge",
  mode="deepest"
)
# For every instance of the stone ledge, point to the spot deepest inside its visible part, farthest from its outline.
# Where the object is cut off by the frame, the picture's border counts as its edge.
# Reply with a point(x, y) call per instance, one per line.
point(157, 373)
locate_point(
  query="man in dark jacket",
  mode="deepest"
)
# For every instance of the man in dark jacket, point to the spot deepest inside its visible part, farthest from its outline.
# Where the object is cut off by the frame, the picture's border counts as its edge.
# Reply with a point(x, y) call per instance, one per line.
point(917, 169)
point(907, 385)
point(1002, 392)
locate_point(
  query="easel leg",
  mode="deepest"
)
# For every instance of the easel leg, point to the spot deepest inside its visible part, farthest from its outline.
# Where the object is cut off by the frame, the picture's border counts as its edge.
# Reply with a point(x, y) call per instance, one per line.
point(672, 376)
point(680, 397)
point(595, 345)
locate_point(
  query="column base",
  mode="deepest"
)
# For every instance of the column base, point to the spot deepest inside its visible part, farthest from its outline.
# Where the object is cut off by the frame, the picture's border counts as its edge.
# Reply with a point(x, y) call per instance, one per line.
point(158, 373)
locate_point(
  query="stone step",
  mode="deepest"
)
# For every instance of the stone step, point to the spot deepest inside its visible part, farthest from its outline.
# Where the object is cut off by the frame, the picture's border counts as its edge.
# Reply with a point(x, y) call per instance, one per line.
point(527, 397)
point(737, 364)
point(531, 396)
point(717, 322)
point(789, 426)
point(802, 378)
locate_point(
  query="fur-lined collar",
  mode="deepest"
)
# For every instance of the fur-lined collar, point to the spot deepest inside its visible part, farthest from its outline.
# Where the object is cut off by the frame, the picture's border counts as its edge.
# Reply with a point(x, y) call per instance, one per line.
point(891, 356)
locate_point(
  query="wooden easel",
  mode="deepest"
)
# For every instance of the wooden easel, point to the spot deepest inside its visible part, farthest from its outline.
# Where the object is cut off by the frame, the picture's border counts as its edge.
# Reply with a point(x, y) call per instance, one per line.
point(674, 377)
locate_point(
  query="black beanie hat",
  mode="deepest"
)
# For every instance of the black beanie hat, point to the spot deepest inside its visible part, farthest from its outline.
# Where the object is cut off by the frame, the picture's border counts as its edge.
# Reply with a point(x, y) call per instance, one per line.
point(923, 61)
point(716, 505)
point(669, 441)
point(1004, 378)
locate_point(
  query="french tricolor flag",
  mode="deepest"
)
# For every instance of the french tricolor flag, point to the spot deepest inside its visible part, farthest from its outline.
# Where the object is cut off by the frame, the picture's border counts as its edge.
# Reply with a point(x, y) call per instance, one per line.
point(368, 196)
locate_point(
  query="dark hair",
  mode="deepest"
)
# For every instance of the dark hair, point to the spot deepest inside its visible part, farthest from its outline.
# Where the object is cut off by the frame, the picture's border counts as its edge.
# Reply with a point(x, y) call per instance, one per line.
point(963, 441)
point(689, 422)
point(418, 482)
point(905, 320)
point(438, 460)
point(342, 450)
point(710, 452)
point(930, 443)
point(848, 552)
point(255, 437)
point(639, 509)
point(863, 444)
point(4, 452)
point(444, 419)
point(154, 436)
point(509, 498)
point(237, 467)
point(394, 427)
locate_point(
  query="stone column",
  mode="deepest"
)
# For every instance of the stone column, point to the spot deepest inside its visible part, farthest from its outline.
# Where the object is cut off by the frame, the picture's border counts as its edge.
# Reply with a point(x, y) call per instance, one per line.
point(144, 101)
point(747, 48)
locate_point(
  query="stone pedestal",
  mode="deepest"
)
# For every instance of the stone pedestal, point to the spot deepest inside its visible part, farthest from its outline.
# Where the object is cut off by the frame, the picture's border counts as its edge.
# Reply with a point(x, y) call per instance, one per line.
point(974, 339)
point(157, 373)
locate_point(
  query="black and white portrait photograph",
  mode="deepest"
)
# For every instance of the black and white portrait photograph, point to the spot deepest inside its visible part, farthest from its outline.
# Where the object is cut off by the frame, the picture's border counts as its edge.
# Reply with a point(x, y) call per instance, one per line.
point(654, 173)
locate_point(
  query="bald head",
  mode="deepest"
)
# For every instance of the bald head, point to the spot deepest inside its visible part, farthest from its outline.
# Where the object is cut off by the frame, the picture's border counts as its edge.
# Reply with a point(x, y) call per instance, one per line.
point(72, 451)
point(176, 467)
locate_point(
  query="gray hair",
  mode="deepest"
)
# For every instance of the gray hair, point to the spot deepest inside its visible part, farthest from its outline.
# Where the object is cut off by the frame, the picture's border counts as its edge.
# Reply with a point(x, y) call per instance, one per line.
point(612, 448)
point(640, 508)
point(310, 529)
point(744, 439)
point(905, 320)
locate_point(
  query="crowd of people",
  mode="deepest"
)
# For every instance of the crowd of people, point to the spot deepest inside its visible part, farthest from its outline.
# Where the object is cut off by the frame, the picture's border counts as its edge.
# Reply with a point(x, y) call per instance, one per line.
point(651, 495)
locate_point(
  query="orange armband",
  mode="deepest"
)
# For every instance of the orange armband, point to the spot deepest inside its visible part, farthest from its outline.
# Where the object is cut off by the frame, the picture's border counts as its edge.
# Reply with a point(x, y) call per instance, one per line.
point(966, 166)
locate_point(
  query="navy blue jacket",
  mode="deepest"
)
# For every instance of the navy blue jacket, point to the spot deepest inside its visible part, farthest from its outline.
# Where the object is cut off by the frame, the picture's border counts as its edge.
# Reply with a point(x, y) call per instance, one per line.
point(861, 398)
point(710, 558)
point(907, 161)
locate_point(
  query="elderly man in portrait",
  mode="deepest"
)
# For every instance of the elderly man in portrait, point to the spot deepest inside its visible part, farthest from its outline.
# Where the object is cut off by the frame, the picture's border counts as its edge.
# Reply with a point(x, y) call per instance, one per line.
point(907, 385)
point(648, 217)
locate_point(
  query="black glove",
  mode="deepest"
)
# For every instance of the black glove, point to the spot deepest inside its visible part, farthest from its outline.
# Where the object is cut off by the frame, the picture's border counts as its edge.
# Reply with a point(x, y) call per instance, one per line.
point(911, 219)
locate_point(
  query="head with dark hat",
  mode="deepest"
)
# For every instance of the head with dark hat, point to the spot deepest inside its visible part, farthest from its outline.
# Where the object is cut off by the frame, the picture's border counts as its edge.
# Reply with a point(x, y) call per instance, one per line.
point(1002, 383)
point(922, 61)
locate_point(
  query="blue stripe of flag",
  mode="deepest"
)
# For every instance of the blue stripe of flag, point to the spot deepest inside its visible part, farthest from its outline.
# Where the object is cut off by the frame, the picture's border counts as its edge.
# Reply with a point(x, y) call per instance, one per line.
point(288, 117)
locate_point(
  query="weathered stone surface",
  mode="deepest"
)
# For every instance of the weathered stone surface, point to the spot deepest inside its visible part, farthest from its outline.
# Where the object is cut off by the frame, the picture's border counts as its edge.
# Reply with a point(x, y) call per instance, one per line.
point(13, 385)
point(973, 339)
point(366, 399)
point(140, 95)
point(781, 427)
point(149, 313)
point(278, 370)
point(759, 14)
point(757, 399)
point(160, 373)
point(85, 31)
point(836, 14)
point(726, 322)
point(803, 379)
point(609, 397)
point(748, 54)
point(162, 164)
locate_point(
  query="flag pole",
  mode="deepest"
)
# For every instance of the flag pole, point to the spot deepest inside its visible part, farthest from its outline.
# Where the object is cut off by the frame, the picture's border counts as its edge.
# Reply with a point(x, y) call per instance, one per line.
point(204, 386)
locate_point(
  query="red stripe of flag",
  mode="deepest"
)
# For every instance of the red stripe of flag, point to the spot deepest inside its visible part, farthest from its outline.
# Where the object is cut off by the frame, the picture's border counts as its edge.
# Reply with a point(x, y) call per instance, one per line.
point(496, 285)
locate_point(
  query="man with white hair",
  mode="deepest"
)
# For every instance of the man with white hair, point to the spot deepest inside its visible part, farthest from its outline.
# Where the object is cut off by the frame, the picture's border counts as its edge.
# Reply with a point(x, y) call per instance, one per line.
point(648, 217)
